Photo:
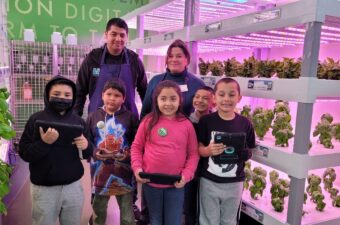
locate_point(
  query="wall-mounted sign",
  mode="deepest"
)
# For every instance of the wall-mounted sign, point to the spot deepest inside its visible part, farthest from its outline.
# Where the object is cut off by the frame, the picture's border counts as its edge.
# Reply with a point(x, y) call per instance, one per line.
point(213, 27)
point(261, 150)
point(262, 85)
point(209, 81)
point(268, 15)
point(86, 18)
point(147, 40)
point(169, 36)
point(252, 212)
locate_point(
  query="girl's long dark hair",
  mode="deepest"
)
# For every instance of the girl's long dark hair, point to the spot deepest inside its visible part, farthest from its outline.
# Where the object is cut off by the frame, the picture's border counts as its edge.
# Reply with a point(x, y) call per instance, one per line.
point(155, 114)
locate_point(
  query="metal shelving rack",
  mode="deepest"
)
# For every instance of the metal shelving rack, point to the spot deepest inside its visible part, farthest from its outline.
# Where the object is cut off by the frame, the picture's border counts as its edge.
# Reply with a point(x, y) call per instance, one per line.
point(309, 15)
point(36, 63)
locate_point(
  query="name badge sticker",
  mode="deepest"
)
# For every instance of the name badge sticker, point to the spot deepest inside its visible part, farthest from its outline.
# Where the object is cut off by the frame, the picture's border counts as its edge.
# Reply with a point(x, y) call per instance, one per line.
point(95, 72)
point(183, 87)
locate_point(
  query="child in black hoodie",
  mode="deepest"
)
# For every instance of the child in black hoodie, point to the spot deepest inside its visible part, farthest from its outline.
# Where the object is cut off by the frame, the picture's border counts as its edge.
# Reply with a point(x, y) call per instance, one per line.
point(112, 130)
point(55, 167)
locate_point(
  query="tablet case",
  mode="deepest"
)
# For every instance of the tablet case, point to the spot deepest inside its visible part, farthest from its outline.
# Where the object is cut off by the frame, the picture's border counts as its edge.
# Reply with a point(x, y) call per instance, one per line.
point(67, 132)
point(159, 178)
point(235, 142)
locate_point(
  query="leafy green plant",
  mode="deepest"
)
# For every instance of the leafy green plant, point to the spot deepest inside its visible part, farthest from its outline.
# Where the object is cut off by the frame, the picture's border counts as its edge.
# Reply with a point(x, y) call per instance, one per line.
point(5, 172)
point(279, 190)
point(281, 128)
point(318, 197)
point(281, 106)
point(246, 111)
point(266, 68)
point(258, 179)
point(336, 131)
point(333, 192)
point(273, 176)
point(315, 191)
point(328, 177)
point(248, 174)
point(216, 68)
point(248, 68)
point(324, 130)
point(336, 201)
point(330, 69)
point(6, 118)
point(289, 68)
point(262, 119)
point(320, 71)
point(6, 132)
point(314, 182)
point(203, 66)
point(232, 67)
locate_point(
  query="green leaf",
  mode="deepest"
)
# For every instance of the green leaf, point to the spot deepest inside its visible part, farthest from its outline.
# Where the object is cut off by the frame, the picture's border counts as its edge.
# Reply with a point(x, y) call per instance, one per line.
point(9, 116)
point(3, 208)
point(4, 189)
point(3, 105)
point(6, 131)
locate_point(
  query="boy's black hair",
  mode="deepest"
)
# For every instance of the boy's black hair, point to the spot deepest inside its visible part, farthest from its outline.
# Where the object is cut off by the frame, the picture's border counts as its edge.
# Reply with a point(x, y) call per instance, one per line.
point(116, 84)
point(117, 22)
point(206, 88)
point(228, 80)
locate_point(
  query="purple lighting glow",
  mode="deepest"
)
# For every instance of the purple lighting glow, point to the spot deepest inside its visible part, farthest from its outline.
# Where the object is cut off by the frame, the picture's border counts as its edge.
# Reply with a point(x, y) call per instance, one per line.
point(322, 33)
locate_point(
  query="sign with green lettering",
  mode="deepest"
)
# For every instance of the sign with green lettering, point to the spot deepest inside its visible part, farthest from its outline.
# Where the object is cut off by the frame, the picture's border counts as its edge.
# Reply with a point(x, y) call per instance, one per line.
point(85, 18)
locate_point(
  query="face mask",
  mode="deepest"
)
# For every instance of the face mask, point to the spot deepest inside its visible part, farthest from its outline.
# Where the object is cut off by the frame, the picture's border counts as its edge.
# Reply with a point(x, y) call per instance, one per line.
point(60, 104)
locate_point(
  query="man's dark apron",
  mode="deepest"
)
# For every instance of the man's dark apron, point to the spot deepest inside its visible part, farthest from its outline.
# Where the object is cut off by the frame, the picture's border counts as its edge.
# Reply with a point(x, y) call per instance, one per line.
point(109, 71)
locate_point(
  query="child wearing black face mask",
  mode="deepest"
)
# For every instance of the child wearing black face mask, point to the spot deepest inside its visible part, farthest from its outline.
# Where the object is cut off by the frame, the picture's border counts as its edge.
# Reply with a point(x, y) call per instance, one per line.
point(60, 104)
point(55, 167)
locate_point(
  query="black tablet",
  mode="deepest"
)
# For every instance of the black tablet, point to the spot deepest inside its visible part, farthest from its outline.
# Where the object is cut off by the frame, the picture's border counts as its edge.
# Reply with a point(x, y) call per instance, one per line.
point(159, 178)
point(235, 142)
point(67, 132)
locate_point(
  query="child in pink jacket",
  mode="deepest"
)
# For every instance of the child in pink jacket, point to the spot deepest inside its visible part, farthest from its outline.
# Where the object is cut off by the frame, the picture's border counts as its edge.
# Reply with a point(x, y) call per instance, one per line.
point(165, 143)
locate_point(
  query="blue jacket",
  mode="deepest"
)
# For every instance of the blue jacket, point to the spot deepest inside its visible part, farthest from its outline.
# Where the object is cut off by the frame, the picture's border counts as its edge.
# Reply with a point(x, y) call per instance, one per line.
point(191, 80)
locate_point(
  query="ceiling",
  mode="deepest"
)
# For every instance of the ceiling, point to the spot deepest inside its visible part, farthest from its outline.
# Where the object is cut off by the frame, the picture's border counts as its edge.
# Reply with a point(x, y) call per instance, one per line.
point(171, 16)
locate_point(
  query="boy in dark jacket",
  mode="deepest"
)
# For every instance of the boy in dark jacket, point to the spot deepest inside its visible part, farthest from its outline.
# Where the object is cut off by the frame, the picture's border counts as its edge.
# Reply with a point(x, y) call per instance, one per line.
point(55, 166)
point(203, 104)
point(112, 129)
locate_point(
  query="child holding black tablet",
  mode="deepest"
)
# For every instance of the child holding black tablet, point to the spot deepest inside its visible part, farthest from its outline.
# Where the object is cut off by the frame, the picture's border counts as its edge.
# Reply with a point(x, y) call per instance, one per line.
point(55, 166)
point(112, 129)
point(221, 184)
point(165, 143)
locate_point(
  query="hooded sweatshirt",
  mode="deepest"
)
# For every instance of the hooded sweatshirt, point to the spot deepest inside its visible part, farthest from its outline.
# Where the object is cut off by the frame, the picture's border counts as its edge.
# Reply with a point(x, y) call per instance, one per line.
point(114, 133)
point(56, 163)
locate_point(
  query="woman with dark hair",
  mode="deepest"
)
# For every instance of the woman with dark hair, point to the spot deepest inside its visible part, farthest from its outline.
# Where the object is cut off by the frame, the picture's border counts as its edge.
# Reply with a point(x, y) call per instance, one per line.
point(177, 60)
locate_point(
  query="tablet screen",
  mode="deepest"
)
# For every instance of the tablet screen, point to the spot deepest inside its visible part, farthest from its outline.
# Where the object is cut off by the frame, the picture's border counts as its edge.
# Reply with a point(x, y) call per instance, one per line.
point(67, 132)
point(158, 178)
point(235, 142)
